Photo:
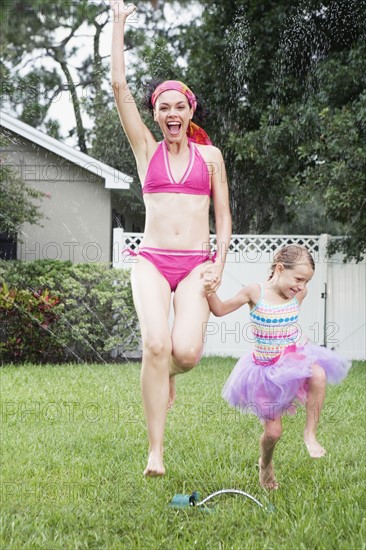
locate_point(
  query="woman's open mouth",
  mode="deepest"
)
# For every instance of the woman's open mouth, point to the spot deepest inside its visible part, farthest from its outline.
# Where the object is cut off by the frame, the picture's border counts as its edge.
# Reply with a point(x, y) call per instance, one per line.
point(174, 128)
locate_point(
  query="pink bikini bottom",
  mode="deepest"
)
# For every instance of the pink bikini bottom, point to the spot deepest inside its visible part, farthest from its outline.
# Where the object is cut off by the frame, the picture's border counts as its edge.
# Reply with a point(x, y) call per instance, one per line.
point(174, 265)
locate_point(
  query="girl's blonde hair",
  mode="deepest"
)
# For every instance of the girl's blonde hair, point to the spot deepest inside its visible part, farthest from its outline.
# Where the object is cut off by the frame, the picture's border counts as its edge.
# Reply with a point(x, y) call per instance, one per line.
point(291, 255)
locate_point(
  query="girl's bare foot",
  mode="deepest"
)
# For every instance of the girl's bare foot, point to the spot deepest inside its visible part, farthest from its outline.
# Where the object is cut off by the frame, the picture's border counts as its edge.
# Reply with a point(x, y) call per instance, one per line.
point(266, 476)
point(314, 448)
point(172, 392)
point(155, 466)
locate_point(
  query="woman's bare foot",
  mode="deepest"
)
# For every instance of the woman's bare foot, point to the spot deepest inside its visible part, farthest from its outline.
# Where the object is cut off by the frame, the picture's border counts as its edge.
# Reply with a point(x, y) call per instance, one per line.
point(314, 448)
point(172, 392)
point(155, 466)
point(266, 476)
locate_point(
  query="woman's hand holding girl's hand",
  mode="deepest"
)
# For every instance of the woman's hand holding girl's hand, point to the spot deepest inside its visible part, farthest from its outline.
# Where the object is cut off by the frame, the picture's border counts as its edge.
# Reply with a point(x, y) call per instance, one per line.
point(211, 278)
point(121, 12)
point(207, 284)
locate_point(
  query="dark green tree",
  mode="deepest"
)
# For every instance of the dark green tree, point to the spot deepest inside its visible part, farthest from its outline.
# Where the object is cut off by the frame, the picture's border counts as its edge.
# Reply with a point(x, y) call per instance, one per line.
point(17, 200)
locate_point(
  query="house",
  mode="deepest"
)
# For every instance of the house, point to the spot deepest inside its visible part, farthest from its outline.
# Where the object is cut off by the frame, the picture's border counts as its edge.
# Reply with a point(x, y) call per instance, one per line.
point(85, 198)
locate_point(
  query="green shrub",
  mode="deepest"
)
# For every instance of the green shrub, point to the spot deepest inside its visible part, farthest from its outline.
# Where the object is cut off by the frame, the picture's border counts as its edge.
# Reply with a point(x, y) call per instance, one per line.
point(94, 317)
point(27, 319)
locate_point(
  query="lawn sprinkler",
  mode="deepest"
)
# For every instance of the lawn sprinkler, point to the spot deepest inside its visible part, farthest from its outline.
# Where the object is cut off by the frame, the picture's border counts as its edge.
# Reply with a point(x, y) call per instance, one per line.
point(193, 500)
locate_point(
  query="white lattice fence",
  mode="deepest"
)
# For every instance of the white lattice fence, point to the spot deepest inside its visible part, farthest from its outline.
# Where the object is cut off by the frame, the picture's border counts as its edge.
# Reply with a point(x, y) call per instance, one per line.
point(267, 245)
point(246, 247)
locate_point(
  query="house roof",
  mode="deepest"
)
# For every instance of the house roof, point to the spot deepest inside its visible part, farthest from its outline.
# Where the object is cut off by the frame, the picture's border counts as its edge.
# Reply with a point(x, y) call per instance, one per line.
point(114, 179)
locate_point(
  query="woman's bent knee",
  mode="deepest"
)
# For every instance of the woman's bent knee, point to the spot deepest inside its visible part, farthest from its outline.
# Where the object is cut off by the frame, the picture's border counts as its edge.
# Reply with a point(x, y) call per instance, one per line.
point(187, 358)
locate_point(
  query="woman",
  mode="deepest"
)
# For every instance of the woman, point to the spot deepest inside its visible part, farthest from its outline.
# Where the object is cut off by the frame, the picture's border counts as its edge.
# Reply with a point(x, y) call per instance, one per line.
point(178, 176)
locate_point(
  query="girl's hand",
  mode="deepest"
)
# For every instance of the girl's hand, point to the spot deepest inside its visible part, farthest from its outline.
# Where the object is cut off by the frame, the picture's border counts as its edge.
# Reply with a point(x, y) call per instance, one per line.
point(211, 278)
point(207, 285)
point(121, 12)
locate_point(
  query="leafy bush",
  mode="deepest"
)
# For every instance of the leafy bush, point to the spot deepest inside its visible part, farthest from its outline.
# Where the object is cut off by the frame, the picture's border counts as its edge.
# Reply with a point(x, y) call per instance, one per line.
point(26, 329)
point(85, 310)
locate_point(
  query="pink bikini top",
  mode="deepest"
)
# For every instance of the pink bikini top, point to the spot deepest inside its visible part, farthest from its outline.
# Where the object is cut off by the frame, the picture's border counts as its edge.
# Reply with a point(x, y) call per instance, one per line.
point(159, 179)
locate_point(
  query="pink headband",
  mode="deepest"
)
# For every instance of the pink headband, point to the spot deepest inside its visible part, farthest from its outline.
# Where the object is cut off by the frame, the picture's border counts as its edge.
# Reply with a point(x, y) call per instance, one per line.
point(194, 132)
point(179, 87)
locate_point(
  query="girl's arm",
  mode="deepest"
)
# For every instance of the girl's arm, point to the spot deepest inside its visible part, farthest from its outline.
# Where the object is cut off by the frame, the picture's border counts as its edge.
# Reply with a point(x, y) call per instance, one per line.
point(247, 295)
point(136, 131)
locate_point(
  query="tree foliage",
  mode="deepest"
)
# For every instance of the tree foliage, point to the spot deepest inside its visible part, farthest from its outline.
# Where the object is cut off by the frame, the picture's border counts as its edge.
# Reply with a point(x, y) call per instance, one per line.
point(39, 50)
point(17, 204)
point(284, 83)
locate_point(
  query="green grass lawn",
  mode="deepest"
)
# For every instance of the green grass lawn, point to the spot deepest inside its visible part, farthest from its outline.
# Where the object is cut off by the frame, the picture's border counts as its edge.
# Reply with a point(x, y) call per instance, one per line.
point(74, 448)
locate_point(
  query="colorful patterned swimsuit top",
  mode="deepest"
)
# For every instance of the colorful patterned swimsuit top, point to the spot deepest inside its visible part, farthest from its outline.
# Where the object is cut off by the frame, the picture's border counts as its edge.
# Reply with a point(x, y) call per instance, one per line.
point(274, 328)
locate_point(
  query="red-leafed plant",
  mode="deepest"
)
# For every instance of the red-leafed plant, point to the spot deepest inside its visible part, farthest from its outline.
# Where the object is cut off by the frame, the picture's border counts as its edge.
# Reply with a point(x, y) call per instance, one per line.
point(26, 320)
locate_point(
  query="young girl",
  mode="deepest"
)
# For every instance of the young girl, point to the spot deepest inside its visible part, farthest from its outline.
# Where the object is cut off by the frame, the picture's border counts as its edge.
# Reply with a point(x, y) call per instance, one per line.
point(282, 368)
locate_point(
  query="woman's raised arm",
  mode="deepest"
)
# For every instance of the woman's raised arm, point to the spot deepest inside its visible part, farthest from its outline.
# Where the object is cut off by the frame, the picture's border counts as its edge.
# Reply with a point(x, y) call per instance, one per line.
point(136, 131)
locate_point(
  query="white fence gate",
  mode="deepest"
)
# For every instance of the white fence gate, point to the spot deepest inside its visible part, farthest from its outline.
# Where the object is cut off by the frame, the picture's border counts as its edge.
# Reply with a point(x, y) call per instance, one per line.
point(333, 313)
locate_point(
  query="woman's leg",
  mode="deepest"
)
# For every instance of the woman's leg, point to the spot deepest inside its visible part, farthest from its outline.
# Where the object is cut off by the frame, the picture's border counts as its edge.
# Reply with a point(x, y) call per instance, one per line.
point(314, 405)
point(191, 312)
point(269, 439)
point(151, 294)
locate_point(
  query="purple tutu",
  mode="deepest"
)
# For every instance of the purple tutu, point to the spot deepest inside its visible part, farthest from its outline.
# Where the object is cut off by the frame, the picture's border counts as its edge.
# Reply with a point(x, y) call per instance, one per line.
point(273, 390)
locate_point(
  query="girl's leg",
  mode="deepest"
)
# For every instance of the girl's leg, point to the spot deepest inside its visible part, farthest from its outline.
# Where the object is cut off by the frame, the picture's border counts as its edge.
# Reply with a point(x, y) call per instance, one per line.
point(270, 437)
point(151, 294)
point(314, 405)
point(191, 312)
